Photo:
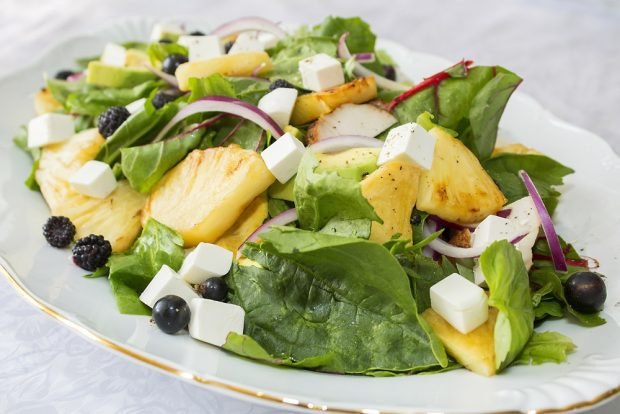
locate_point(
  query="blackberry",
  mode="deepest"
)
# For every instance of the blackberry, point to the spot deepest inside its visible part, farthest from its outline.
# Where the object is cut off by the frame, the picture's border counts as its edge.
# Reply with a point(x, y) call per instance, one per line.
point(59, 231)
point(389, 72)
point(111, 119)
point(63, 74)
point(280, 83)
point(228, 45)
point(172, 62)
point(416, 219)
point(162, 97)
point(165, 40)
point(91, 252)
point(196, 33)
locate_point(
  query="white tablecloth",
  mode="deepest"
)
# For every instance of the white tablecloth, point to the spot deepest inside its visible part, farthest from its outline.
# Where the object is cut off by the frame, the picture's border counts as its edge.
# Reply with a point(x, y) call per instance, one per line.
point(568, 52)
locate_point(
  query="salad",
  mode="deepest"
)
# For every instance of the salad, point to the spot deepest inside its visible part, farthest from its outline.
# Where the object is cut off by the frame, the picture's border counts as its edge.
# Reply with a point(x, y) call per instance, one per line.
point(294, 199)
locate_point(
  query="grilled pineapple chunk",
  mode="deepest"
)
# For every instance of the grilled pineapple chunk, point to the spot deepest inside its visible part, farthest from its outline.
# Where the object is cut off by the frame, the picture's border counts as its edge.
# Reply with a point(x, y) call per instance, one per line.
point(515, 149)
point(45, 102)
point(252, 218)
point(475, 350)
point(116, 217)
point(204, 195)
point(457, 188)
point(312, 105)
point(239, 64)
point(392, 190)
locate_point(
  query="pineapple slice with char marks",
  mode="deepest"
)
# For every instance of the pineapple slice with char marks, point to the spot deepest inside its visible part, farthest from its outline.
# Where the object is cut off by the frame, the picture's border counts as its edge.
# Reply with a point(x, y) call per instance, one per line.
point(475, 350)
point(116, 217)
point(392, 190)
point(252, 218)
point(205, 194)
point(44, 102)
point(457, 188)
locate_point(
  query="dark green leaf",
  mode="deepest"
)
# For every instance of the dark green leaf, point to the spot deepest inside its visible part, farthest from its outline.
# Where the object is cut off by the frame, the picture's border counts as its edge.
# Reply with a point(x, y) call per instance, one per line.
point(214, 85)
point(348, 228)
point(424, 272)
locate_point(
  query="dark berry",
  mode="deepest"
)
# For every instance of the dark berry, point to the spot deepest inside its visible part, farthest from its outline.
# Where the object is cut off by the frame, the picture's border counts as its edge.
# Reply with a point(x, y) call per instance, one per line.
point(59, 231)
point(164, 40)
point(196, 33)
point(171, 314)
point(91, 252)
point(164, 96)
point(172, 62)
point(111, 119)
point(228, 46)
point(389, 72)
point(586, 292)
point(214, 288)
point(63, 74)
point(280, 83)
point(416, 219)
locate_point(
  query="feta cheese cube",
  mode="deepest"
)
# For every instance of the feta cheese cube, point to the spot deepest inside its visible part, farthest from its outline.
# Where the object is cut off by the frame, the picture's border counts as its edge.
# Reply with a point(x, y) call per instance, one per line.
point(523, 214)
point(167, 282)
point(279, 104)
point(166, 31)
point(321, 72)
point(212, 321)
point(205, 261)
point(283, 157)
point(460, 302)
point(136, 106)
point(114, 55)
point(479, 277)
point(202, 47)
point(49, 128)
point(269, 40)
point(491, 229)
point(410, 142)
point(95, 179)
point(247, 42)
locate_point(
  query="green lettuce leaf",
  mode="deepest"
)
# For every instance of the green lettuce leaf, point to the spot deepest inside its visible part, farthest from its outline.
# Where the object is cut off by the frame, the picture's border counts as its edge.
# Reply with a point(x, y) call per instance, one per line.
point(509, 292)
point(158, 51)
point(321, 197)
point(342, 303)
point(131, 272)
point(545, 347)
point(214, 85)
point(21, 141)
point(348, 228)
point(544, 171)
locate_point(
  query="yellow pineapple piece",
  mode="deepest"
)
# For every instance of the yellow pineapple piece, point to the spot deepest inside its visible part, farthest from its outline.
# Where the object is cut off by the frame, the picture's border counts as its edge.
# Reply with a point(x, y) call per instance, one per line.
point(252, 218)
point(45, 102)
point(311, 106)
point(475, 350)
point(392, 190)
point(515, 149)
point(457, 188)
point(239, 64)
point(204, 195)
point(116, 217)
point(136, 58)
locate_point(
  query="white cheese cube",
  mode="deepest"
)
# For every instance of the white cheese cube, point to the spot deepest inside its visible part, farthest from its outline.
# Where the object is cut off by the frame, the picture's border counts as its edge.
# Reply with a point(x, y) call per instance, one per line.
point(269, 40)
point(166, 31)
point(49, 128)
point(279, 104)
point(166, 282)
point(479, 277)
point(202, 47)
point(204, 262)
point(114, 55)
point(523, 214)
point(247, 42)
point(283, 157)
point(136, 106)
point(95, 179)
point(460, 302)
point(410, 142)
point(321, 72)
point(212, 321)
point(493, 228)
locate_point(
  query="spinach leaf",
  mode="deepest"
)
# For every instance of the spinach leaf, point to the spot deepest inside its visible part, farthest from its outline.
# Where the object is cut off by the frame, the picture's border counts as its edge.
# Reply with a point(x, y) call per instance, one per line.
point(291, 50)
point(348, 228)
point(327, 293)
point(545, 347)
point(214, 85)
point(469, 101)
point(509, 292)
point(249, 90)
point(132, 271)
point(145, 165)
point(321, 197)
point(544, 171)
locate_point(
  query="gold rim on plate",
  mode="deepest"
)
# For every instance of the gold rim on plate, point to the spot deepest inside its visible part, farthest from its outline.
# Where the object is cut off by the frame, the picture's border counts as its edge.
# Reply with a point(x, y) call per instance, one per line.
point(279, 400)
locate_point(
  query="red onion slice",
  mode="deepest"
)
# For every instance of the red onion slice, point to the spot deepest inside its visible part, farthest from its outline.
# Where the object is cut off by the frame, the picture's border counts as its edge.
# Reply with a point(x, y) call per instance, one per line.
point(445, 248)
point(75, 77)
point(358, 69)
point(227, 105)
point(171, 80)
point(345, 142)
point(559, 260)
point(366, 57)
point(281, 219)
point(249, 23)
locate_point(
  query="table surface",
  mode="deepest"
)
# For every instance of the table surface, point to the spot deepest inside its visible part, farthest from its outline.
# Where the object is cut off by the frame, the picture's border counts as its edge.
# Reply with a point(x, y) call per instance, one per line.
point(567, 51)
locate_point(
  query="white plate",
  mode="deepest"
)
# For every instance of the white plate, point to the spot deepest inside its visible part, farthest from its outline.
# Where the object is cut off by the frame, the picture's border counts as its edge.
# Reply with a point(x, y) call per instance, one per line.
point(587, 216)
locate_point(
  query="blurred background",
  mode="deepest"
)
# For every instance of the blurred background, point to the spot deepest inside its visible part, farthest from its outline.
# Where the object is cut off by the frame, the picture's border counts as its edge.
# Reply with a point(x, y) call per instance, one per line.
point(567, 51)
